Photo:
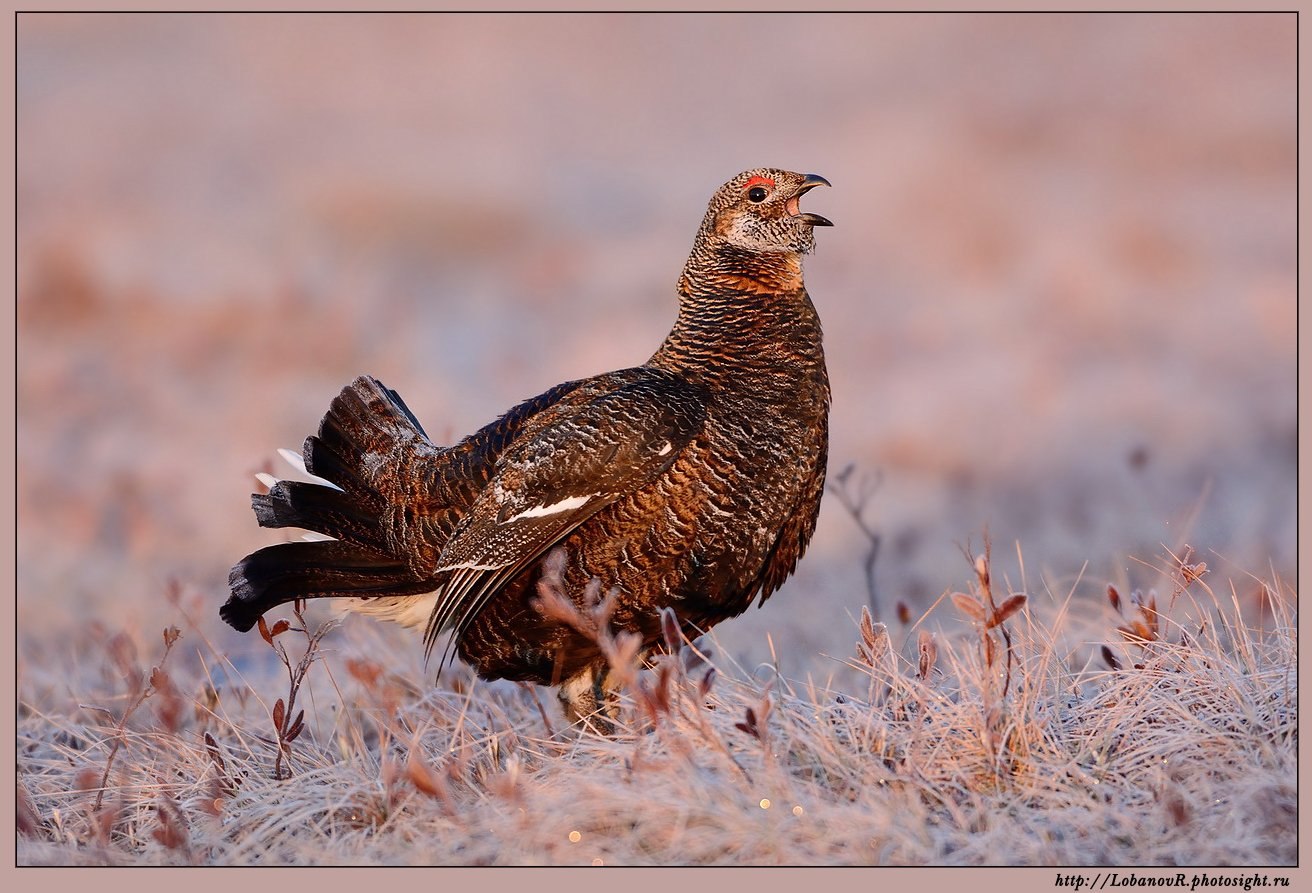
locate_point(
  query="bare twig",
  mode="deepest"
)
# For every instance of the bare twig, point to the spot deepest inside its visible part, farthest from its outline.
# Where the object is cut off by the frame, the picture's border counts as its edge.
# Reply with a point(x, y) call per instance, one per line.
point(171, 636)
point(855, 497)
point(288, 727)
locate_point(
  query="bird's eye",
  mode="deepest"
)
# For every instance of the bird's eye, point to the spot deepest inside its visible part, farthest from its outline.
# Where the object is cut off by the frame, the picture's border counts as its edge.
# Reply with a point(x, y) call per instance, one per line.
point(757, 193)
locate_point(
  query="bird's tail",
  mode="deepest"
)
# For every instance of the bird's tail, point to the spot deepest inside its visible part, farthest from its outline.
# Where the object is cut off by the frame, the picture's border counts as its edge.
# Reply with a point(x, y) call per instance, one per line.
point(366, 434)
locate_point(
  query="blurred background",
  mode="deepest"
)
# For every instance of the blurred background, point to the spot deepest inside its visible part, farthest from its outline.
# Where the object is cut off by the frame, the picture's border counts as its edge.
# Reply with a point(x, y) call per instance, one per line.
point(1059, 298)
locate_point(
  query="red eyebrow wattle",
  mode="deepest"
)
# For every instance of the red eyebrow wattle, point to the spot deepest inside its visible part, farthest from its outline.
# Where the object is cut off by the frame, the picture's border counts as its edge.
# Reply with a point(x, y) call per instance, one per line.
point(759, 181)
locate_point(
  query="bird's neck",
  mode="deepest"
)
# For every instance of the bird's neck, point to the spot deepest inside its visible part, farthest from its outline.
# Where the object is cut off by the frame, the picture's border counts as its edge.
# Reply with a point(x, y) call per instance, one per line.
point(723, 270)
point(743, 315)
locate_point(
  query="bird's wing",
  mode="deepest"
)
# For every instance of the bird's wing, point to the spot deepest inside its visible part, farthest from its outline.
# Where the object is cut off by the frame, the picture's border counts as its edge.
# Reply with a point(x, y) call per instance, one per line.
point(545, 487)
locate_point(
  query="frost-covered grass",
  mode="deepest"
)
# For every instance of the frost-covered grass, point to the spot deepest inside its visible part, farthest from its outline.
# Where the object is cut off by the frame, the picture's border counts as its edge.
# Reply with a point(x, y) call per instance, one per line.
point(1175, 745)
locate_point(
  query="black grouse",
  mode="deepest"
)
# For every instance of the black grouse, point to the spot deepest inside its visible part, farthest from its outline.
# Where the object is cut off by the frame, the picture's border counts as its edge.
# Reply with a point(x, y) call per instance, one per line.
point(691, 482)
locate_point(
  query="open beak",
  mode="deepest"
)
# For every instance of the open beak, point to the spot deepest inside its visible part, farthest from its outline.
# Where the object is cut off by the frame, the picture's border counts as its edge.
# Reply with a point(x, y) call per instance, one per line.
point(809, 182)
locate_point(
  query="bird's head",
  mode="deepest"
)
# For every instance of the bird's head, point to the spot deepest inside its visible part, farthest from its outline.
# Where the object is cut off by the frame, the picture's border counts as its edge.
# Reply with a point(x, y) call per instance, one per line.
point(758, 212)
point(754, 235)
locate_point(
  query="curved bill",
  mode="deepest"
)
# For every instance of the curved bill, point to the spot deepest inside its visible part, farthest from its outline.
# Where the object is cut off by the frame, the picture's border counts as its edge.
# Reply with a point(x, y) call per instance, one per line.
point(809, 182)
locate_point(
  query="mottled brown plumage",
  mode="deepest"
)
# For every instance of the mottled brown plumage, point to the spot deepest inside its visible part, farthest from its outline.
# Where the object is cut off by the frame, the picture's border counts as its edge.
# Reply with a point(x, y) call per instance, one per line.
point(691, 482)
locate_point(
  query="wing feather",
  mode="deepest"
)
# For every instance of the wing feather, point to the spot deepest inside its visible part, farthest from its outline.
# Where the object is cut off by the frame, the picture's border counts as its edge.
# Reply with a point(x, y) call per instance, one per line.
point(544, 488)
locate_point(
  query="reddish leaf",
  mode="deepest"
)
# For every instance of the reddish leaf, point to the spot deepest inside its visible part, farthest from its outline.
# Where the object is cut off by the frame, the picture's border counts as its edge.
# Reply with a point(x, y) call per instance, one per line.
point(105, 820)
point(87, 780)
point(670, 629)
point(968, 605)
point(928, 653)
point(749, 726)
point(1114, 597)
point(1137, 633)
point(213, 803)
point(366, 672)
point(279, 628)
point(424, 778)
point(1008, 607)
point(212, 746)
point(704, 687)
point(298, 725)
point(172, 828)
point(663, 685)
point(124, 654)
point(1178, 809)
point(867, 626)
point(279, 714)
point(264, 629)
point(29, 820)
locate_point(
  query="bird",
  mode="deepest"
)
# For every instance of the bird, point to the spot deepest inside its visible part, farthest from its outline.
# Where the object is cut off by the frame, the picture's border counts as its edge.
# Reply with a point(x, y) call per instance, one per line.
point(691, 483)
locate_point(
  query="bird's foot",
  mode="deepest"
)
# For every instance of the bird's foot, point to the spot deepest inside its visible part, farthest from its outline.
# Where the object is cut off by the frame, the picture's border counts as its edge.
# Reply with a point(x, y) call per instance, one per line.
point(590, 703)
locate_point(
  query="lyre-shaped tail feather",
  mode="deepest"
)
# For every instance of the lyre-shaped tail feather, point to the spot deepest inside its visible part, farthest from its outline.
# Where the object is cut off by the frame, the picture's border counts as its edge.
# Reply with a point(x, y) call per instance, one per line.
point(364, 423)
point(276, 575)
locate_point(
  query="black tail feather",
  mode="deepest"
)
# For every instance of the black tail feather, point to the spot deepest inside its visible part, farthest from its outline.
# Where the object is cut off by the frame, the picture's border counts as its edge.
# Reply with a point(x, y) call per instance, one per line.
point(323, 509)
point(366, 419)
point(276, 575)
point(356, 446)
point(400, 406)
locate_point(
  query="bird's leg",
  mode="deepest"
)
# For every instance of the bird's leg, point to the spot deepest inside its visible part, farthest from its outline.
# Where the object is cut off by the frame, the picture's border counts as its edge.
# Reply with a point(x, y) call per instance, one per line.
point(606, 690)
point(577, 697)
point(592, 698)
